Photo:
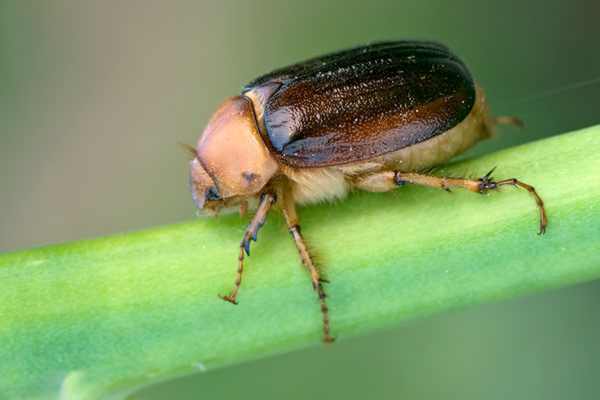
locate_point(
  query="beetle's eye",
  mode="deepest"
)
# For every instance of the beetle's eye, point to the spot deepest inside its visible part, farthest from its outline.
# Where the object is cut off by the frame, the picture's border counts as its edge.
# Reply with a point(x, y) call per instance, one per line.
point(212, 194)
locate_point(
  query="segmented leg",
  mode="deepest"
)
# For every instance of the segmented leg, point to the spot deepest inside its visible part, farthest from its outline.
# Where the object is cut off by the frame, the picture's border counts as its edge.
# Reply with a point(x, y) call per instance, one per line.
point(388, 180)
point(291, 218)
point(317, 282)
point(266, 201)
point(481, 185)
point(508, 120)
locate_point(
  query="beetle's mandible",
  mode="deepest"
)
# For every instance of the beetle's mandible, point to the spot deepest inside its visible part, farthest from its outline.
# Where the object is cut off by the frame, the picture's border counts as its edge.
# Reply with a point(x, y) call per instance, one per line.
point(370, 118)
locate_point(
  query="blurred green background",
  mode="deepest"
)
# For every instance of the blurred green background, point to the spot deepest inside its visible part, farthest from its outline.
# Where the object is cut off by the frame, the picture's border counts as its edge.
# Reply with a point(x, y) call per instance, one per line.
point(95, 95)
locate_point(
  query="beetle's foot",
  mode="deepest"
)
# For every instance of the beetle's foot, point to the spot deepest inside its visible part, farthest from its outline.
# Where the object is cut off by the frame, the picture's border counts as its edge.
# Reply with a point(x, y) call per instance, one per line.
point(542, 228)
point(229, 298)
point(328, 339)
point(488, 183)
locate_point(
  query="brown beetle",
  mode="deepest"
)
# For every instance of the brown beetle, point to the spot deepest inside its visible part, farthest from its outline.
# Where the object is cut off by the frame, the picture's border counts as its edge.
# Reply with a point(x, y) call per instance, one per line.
point(370, 118)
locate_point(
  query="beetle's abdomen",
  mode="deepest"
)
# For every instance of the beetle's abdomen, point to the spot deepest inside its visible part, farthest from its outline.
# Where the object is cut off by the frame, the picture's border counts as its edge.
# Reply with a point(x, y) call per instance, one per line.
point(366, 102)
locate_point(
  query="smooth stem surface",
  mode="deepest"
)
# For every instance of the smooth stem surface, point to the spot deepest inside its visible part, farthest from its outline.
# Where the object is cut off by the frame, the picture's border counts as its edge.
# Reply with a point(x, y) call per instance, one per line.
point(95, 319)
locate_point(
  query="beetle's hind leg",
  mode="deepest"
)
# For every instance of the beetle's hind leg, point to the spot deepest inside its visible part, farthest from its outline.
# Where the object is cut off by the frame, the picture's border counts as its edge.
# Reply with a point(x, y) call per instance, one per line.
point(481, 185)
point(266, 201)
point(387, 180)
point(507, 120)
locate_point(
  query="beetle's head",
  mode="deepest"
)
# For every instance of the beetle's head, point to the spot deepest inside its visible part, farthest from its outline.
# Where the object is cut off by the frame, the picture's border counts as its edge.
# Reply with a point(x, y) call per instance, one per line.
point(232, 161)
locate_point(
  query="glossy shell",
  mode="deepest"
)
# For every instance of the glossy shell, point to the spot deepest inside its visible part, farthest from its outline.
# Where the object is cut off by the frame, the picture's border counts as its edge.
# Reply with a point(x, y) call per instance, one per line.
point(361, 103)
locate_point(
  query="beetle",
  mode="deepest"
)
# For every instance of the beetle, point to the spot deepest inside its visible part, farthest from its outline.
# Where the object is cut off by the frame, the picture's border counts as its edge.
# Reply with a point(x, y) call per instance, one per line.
point(370, 118)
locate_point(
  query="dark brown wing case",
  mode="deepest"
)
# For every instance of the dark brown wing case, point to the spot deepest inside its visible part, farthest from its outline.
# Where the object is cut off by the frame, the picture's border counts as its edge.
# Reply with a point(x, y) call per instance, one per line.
point(364, 102)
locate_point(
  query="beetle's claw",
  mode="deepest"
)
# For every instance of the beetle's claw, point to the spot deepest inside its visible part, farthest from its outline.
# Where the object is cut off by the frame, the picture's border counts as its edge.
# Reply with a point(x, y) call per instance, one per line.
point(328, 339)
point(229, 299)
point(542, 229)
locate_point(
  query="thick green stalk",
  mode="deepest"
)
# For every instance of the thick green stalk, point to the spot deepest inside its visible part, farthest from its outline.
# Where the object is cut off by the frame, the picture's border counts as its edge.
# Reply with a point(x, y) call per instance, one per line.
point(97, 318)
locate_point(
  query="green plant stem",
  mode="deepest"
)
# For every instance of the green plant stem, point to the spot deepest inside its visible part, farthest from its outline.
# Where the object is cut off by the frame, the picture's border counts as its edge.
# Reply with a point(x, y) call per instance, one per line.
point(97, 318)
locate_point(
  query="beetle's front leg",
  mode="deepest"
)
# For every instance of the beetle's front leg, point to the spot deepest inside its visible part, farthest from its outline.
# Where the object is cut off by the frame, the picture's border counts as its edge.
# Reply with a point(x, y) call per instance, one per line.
point(387, 180)
point(266, 201)
point(288, 209)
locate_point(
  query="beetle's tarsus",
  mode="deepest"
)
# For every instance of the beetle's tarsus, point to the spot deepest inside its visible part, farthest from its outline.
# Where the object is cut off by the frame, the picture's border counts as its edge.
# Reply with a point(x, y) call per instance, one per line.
point(487, 183)
point(229, 298)
point(538, 200)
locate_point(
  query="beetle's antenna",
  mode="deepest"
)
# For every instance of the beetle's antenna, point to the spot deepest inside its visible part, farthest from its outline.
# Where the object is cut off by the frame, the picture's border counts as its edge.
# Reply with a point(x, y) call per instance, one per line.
point(188, 149)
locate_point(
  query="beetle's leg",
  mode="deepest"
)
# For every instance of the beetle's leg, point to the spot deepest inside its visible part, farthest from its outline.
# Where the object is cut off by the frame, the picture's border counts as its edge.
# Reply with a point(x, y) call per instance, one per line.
point(266, 201)
point(291, 218)
point(507, 120)
point(481, 185)
point(376, 182)
point(388, 180)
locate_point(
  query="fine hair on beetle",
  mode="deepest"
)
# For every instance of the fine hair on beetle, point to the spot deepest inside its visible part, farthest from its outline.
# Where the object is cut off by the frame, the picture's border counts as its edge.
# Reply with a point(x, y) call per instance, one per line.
point(370, 118)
